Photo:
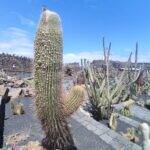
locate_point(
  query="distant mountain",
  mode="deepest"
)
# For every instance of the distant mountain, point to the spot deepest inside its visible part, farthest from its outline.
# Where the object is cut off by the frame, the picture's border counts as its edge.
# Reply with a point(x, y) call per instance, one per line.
point(13, 63)
point(119, 64)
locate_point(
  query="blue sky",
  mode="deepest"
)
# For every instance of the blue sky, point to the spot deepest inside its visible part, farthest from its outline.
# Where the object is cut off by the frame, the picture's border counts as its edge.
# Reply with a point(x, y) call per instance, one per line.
point(85, 22)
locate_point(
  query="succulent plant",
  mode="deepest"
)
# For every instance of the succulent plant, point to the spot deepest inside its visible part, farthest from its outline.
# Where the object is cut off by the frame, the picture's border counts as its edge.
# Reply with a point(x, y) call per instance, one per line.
point(102, 93)
point(145, 128)
point(126, 110)
point(74, 99)
point(113, 121)
point(105, 89)
point(131, 135)
point(17, 109)
point(48, 70)
point(145, 89)
point(134, 75)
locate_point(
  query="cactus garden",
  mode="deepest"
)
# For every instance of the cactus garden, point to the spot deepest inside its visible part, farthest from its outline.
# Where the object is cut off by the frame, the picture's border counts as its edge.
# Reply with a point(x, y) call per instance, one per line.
point(81, 101)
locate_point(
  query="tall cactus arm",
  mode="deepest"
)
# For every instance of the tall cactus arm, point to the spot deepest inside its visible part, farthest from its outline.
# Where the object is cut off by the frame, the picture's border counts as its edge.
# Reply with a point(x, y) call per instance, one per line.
point(74, 99)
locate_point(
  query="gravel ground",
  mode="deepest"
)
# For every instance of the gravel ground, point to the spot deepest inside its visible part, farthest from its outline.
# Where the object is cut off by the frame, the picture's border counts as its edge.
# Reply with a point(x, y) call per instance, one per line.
point(87, 140)
point(27, 123)
point(29, 128)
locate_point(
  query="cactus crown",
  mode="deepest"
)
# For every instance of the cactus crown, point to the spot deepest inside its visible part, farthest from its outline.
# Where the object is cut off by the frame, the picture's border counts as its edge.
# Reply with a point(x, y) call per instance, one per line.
point(50, 21)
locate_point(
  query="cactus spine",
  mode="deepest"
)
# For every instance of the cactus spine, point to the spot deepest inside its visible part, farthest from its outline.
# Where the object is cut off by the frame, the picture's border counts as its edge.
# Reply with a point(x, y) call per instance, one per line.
point(48, 69)
point(74, 99)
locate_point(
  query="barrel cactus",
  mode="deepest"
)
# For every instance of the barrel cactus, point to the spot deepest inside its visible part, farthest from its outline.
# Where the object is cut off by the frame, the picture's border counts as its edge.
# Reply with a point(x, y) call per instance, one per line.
point(74, 99)
point(48, 69)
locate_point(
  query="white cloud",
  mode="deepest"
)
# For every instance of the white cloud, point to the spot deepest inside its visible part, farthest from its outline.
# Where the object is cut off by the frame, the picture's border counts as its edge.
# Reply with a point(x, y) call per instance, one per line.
point(76, 57)
point(24, 20)
point(144, 57)
point(16, 41)
point(95, 55)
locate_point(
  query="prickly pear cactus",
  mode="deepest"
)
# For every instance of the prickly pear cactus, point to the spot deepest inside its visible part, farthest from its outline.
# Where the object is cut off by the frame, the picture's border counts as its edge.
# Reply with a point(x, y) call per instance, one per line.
point(74, 99)
point(48, 69)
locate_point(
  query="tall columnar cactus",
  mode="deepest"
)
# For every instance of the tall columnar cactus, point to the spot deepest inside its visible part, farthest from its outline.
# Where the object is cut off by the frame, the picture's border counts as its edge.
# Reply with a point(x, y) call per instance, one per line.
point(134, 76)
point(48, 69)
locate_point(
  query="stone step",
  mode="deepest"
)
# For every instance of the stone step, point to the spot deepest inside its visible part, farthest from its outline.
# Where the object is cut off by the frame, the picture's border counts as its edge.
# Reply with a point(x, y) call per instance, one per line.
point(129, 121)
point(140, 113)
point(87, 133)
point(107, 135)
point(29, 125)
point(85, 139)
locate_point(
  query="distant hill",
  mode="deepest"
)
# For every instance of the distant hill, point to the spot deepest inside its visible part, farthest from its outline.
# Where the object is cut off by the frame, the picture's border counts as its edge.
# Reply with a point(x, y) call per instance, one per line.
point(119, 64)
point(13, 63)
